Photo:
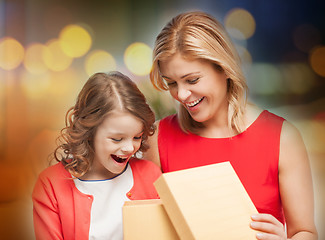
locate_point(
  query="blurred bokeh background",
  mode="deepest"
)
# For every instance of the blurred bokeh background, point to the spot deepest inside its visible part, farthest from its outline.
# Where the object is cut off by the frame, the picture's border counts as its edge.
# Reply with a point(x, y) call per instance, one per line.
point(48, 49)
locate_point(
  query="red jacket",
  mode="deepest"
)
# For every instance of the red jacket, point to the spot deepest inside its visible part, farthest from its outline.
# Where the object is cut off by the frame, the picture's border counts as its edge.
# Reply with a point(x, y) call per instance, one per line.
point(61, 211)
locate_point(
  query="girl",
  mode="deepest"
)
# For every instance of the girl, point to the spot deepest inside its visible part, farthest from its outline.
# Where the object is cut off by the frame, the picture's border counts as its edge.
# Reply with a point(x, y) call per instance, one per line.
point(196, 62)
point(81, 197)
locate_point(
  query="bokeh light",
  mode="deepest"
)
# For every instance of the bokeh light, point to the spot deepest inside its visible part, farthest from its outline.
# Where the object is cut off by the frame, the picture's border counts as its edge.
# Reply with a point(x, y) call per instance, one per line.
point(99, 61)
point(313, 132)
point(40, 149)
point(298, 77)
point(245, 56)
point(240, 23)
point(264, 79)
point(33, 61)
point(35, 86)
point(75, 41)
point(317, 60)
point(11, 53)
point(137, 58)
point(54, 58)
point(65, 84)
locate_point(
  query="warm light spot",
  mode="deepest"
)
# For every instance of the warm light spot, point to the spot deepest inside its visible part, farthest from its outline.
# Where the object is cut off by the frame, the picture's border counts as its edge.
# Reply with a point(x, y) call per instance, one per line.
point(54, 57)
point(317, 60)
point(264, 79)
point(65, 84)
point(99, 61)
point(75, 41)
point(137, 58)
point(313, 132)
point(244, 54)
point(34, 61)
point(298, 77)
point(35, 86)
point(242, 21)
point(11, 53)
point(41, 147)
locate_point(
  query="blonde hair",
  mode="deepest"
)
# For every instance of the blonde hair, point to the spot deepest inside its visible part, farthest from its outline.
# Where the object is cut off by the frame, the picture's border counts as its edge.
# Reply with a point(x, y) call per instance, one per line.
point(101, 94)
point(197, 35)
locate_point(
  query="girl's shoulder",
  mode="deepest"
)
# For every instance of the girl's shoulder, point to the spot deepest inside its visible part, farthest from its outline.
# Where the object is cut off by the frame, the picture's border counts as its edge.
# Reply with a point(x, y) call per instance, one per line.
point(142, 163)
point(54, 172)
point(144, 166)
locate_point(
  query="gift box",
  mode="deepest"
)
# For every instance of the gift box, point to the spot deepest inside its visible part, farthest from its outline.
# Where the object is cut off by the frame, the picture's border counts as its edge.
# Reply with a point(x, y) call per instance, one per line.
point(207, 202)
point(147, 220)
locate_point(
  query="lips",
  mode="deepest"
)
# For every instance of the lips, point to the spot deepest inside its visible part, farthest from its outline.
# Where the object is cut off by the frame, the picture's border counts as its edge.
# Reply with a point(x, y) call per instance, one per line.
point(194, 103)
point(119, 159)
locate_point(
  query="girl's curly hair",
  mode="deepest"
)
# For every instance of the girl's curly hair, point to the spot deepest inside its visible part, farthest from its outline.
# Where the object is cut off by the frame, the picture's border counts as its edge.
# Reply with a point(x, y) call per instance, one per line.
point(101, 94)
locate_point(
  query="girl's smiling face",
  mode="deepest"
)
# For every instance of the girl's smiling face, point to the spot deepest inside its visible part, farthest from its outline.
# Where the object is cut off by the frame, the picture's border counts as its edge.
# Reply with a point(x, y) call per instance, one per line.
point(198, 85)
point(116, 139)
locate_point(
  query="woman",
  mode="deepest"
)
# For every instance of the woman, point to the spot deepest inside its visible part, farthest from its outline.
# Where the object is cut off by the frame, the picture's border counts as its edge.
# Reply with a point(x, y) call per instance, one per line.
point(196, 62)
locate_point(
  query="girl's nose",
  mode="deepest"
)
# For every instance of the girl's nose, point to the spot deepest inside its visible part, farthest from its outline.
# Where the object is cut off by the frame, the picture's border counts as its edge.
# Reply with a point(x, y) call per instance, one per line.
point(128, 147)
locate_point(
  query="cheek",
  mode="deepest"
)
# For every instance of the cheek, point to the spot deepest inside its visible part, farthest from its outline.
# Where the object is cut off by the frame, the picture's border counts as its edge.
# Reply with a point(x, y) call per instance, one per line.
point(137, 146)
point(173, 93)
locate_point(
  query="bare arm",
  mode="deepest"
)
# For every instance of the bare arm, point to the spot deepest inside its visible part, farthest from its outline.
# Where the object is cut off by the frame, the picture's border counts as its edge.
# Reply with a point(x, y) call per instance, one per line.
point(296, 190)
point(152, 154)
point(296, 187)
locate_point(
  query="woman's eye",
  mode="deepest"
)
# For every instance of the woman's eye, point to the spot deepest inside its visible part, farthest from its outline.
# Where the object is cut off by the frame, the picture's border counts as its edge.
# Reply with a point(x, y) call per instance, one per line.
point(192, 81)
point(171, 83)
point(117, 139)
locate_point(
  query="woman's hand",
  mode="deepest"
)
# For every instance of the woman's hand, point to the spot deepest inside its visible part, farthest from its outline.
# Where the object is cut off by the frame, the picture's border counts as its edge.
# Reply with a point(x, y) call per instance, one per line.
point(268, 227)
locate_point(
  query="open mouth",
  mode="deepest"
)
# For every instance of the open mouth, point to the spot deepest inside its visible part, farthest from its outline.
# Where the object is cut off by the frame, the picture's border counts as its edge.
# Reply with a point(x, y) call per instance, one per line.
point(119, 159)
point(194, 103)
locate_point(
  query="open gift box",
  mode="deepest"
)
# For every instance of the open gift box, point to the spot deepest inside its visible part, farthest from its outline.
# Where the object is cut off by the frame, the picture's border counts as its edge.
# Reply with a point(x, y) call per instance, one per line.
point(207, 202)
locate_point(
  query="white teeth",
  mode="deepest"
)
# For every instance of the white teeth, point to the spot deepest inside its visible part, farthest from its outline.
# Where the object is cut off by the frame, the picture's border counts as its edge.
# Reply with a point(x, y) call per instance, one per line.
point(192, 104)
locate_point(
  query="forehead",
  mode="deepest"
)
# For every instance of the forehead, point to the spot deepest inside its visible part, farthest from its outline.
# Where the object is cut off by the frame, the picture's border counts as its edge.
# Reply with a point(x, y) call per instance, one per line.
point(121, 122)
point(178, 65)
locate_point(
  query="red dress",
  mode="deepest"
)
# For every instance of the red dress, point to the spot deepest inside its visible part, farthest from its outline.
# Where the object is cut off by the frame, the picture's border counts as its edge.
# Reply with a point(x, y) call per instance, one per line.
point(254, 154)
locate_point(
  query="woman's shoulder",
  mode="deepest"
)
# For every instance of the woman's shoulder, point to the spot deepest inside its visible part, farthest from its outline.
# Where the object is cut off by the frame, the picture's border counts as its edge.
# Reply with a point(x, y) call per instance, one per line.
point(170, 119)
point(170, 125)
point(255, 113)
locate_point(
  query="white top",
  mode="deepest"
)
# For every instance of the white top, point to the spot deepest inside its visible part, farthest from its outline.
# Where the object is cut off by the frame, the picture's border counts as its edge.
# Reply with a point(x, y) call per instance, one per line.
point(109, 197)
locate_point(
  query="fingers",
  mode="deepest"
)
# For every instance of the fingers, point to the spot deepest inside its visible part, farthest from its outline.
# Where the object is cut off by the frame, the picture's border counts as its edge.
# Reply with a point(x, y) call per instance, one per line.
point(268, 227)
point(267, 218)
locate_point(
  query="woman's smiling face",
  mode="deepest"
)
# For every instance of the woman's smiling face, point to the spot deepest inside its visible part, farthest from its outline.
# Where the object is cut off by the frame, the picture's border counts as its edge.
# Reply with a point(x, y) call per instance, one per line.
point(116, 140)
point(197, 84)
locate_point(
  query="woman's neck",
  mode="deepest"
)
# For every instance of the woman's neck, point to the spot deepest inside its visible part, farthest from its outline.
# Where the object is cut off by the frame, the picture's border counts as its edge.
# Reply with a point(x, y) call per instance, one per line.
point(217, 127)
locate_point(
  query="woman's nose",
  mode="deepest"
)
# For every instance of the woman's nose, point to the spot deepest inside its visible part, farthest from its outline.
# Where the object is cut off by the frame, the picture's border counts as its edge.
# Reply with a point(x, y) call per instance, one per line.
point(183, 93)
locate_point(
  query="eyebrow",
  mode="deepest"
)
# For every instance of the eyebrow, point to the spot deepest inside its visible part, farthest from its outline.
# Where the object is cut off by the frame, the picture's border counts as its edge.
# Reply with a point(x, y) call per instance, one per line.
point(184, 76)
point(123, 134)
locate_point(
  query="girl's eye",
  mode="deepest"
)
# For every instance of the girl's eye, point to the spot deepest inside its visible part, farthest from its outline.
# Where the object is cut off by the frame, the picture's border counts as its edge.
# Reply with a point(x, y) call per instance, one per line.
point(193, 81)
point(138, 138)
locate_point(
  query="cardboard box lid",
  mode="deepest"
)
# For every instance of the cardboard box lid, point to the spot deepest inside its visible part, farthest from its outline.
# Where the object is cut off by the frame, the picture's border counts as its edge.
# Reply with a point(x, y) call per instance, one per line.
point(147, 220)
point(207, 202)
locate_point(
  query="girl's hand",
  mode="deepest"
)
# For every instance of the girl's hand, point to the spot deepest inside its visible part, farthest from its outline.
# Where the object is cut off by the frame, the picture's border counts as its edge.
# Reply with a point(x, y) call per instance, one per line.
point(268, 227)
